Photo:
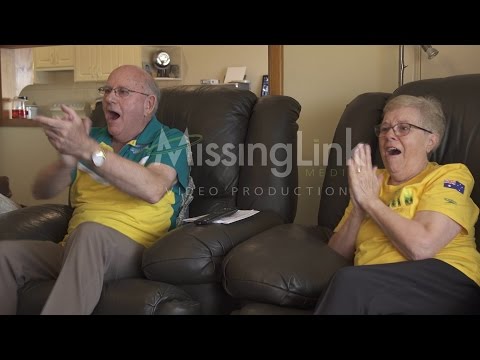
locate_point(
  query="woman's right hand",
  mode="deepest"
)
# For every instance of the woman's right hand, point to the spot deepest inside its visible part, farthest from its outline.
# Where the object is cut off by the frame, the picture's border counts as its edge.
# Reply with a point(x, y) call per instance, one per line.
point(357, 209)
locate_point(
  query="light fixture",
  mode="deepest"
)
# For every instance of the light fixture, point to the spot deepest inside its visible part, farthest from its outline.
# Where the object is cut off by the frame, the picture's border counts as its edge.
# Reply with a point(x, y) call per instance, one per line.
point(401, 64)
point(431, 53)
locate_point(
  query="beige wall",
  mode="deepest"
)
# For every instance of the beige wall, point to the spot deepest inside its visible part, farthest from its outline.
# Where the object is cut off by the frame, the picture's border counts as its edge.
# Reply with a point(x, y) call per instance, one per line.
point(325, 78)
point(451, 60)
point(211, 62)
point(23, 151)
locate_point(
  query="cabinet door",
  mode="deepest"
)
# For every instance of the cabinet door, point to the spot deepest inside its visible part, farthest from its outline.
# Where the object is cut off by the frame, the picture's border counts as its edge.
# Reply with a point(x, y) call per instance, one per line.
point(85, 68)
point(112, 56)
point(64, 56)
point(95, 63)
point(129, 55)
point(107, 60)
point(54, 57)
point(43, 57)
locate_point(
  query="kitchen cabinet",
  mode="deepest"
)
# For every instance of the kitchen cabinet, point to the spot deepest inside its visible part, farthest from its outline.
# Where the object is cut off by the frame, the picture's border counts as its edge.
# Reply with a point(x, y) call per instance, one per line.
point(95, 63)
point(51, 58)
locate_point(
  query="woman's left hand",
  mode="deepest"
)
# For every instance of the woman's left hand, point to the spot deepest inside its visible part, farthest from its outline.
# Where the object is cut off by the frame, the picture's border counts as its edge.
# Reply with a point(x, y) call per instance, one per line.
point(363, 180)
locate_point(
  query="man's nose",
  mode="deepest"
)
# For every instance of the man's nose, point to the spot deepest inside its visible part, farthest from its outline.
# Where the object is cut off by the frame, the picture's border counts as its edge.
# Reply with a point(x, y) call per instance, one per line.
point(110, 97)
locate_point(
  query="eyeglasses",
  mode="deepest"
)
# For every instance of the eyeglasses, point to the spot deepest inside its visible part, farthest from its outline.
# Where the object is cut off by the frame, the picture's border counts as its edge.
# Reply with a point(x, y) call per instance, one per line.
point(121, 92)
point(400, 129)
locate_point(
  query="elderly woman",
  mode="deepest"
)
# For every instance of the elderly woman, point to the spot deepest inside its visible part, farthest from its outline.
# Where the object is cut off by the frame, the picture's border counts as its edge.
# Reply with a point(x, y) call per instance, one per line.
point(412, 223)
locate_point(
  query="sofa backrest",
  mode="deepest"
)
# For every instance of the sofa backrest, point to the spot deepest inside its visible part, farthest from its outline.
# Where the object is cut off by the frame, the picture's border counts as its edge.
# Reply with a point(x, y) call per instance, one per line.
point(461, 143)
point(226, 171)
point(355, 126)
point(459, 96)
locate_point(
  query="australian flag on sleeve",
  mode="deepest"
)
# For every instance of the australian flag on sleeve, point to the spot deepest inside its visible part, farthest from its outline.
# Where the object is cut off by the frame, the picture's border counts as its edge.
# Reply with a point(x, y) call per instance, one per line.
point(453, 184)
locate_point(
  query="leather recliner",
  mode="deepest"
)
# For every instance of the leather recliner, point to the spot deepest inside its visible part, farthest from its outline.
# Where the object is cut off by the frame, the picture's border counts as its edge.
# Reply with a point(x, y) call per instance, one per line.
point(183, 269)
point(284, 269)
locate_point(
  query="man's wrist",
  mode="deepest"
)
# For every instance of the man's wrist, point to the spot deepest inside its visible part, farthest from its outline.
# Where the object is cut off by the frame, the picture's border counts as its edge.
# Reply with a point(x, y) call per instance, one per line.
point(98, 157)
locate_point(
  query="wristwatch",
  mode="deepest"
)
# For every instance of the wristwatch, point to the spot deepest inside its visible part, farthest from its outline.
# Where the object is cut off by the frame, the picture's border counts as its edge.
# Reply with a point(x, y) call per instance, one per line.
point(98, 158)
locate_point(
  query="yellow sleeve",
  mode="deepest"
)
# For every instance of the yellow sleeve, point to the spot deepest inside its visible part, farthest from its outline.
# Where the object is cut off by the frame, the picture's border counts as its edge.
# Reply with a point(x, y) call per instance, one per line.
point(448, 192)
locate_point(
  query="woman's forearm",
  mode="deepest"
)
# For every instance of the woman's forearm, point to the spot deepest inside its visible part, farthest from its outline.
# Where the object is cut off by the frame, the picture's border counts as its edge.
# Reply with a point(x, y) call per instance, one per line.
point(343, 241)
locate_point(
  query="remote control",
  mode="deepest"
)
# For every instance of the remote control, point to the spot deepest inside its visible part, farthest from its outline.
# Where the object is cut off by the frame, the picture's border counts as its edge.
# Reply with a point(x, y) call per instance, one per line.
point(217, 214)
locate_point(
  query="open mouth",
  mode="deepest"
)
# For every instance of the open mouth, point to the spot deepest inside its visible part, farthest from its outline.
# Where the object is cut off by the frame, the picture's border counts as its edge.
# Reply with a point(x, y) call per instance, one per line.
point(393, 151)
point(112, 115)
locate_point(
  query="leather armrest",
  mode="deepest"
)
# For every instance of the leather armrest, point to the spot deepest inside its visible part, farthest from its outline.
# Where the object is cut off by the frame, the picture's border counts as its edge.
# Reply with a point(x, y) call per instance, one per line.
point(268, 309)
point(288, 265)
point(145, 297)
point(125, 296)
point(193, 254)
point(39, 222)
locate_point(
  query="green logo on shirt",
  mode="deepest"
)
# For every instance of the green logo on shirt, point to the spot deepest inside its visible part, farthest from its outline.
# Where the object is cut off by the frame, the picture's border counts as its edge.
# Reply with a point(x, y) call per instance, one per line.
point(450, 201)
point(406, 194)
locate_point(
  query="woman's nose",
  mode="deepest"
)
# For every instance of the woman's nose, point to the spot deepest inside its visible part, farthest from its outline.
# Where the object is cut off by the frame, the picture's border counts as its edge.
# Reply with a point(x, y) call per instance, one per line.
point(390, 133)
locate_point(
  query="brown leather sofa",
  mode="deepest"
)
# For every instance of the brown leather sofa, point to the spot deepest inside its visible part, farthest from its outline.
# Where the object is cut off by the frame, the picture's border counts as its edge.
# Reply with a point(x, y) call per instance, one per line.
point(183, 273)
point(284, 269)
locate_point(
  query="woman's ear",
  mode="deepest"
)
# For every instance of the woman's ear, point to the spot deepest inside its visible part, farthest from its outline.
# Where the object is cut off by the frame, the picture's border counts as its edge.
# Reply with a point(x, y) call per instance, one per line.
point(432, 142)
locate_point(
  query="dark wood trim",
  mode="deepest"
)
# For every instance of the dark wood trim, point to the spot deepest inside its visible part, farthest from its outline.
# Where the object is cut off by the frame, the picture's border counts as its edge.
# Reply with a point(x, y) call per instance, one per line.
point(21, 46)
point(5, 121)
point(2, 116)
point(275, 69)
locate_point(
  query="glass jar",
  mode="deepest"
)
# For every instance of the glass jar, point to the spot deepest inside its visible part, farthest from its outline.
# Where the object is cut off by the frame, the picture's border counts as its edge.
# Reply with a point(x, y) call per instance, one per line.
point(31, 111)
point(18, 107)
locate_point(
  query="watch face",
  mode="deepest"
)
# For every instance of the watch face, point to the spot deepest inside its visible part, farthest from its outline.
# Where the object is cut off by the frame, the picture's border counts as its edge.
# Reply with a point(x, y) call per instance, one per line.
point(161, 60)
point(98, 158)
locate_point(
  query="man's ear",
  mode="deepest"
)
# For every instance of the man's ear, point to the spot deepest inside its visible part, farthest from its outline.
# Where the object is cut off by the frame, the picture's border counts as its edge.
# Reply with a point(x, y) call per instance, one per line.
point(149, 105)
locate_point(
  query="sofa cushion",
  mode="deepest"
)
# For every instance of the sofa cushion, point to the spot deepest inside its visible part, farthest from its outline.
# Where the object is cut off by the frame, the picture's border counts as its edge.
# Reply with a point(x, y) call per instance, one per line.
point(287, 265)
